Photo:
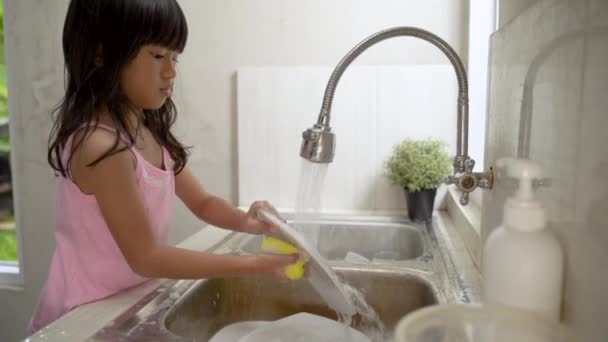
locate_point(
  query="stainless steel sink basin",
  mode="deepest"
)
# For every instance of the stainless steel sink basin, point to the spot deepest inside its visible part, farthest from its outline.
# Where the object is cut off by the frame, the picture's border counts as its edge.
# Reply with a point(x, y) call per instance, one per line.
point(428, 267)
point(373, 240)
point(213, 304)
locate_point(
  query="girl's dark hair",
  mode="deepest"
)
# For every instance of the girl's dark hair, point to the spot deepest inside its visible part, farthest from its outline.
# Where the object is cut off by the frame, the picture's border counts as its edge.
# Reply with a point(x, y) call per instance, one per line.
point(113, 31)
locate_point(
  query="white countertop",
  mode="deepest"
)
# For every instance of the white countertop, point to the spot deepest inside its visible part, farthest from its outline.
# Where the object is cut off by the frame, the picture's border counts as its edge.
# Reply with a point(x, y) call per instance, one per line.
point(82, 322)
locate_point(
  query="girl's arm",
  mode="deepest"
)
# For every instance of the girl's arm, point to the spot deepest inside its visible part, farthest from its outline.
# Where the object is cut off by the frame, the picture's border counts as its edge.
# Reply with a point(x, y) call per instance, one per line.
point(113, 183)
point(215, 210)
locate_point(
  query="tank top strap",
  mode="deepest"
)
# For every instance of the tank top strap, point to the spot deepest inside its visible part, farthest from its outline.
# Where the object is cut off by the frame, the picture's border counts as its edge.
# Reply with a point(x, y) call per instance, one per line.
point(113, 130)
point(68, 147)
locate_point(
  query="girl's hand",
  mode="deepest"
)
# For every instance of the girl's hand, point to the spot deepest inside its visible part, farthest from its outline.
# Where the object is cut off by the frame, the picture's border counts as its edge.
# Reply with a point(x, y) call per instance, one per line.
point(274, 264)
point(253, 225)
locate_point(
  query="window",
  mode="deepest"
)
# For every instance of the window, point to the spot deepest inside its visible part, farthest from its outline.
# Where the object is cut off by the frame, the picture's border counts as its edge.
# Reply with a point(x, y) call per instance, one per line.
point(467, 220)
point(8, 235)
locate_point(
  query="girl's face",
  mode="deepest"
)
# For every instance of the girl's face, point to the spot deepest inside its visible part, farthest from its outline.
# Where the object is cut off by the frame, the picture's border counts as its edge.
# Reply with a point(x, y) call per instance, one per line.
point(148, 80)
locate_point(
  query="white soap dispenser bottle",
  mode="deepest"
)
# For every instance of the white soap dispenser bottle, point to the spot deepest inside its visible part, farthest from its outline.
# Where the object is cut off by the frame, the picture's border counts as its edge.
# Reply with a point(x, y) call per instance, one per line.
point(522, 263)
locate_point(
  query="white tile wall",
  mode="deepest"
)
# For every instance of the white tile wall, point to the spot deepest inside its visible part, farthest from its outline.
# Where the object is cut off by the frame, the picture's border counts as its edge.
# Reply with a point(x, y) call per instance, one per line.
point(374, 108)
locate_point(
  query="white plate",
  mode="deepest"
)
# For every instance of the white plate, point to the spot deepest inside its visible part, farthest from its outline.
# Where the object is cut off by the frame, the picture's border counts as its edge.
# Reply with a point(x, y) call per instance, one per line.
point(304, 327)
point(321, 277)
point(235, 331)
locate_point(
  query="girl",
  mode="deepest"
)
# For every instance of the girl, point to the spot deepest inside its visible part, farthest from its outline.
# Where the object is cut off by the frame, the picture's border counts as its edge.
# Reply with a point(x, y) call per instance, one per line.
point(120, 166)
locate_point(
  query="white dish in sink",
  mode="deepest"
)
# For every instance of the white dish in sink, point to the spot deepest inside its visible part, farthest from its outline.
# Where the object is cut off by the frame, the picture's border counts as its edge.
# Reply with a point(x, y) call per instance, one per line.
point(320, 275)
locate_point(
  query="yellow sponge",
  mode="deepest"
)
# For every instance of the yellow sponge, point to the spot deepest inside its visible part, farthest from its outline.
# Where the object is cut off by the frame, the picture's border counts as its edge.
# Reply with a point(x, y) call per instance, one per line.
point(273, 245)
point(295, 271)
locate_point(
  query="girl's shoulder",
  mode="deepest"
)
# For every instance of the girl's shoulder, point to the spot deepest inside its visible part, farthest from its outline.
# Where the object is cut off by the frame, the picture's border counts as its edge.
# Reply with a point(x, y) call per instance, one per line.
point(91, 144)
point(96, 154)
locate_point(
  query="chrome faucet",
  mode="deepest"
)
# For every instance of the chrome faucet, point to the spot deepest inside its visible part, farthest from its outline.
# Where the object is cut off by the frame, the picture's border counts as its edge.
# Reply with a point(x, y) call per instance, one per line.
point(319, 142)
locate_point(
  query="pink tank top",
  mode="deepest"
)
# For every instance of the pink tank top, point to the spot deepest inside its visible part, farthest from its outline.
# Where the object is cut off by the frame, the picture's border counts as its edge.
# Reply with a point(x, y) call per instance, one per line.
point(87, 264)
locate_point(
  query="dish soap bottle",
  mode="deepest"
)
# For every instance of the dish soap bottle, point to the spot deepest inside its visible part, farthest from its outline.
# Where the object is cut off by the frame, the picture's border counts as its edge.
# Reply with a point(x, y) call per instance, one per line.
point(522, 263)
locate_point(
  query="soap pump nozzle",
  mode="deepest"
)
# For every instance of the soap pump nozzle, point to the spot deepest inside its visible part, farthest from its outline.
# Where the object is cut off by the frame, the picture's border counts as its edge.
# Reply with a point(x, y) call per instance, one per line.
point(523, 211)
point(526, 172)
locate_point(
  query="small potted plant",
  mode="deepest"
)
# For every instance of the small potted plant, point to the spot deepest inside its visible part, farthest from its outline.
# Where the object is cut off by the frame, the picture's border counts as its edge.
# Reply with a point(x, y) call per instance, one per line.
point(419, 166)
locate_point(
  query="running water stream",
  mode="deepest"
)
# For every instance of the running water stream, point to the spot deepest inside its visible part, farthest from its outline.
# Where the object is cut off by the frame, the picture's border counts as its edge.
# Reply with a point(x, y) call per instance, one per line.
point(308, 208)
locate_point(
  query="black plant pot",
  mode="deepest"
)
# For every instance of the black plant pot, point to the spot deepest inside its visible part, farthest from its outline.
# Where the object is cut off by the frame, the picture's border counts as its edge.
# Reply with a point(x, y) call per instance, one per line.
point(420, 204)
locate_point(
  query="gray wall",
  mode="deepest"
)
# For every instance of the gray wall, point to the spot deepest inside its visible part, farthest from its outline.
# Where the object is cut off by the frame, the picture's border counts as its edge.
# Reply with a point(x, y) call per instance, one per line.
point(509, 9)
point(34, 69)
point(225, 35)
point(565, 44)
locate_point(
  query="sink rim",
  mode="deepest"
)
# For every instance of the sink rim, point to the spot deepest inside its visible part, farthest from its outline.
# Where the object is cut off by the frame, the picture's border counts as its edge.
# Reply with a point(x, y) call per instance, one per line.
point(355, 222)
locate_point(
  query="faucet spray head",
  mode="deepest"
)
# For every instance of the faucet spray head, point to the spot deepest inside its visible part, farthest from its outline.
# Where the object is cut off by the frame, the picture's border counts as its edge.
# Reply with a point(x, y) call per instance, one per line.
point(318, 144)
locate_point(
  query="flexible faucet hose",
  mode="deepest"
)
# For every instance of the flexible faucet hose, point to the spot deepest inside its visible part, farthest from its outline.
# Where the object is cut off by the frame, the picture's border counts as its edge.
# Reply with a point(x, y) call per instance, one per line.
point(463, 97)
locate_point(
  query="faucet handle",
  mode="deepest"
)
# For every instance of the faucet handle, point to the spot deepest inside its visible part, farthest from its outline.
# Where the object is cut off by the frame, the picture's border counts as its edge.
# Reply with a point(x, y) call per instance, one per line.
point(464, 198)
point(467, 182)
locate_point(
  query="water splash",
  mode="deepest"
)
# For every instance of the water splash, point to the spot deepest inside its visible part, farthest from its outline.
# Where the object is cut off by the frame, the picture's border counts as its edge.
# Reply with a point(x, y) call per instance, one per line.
point(369, 323)
point(308, 208)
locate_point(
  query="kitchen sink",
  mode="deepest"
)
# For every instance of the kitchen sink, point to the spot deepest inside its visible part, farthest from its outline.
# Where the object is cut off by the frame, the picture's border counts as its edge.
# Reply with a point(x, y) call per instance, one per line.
point(213, 304)
point(414, 265)
point(372, 240)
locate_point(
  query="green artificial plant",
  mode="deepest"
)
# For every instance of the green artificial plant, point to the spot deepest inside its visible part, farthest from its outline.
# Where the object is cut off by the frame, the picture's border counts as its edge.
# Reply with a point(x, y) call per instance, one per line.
point(418, 165)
